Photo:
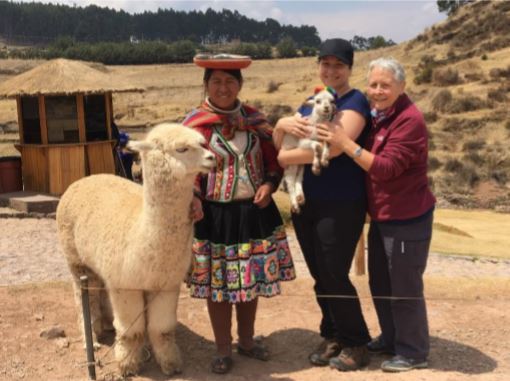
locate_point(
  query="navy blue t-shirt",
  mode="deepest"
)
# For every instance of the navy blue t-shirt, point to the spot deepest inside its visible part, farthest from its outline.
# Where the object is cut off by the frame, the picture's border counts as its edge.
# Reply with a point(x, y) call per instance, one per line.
point(343, 179)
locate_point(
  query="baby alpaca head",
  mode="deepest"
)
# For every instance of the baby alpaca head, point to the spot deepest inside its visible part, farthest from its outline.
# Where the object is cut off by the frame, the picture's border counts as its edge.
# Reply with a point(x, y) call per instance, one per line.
point(324, 104)
point(174, 151)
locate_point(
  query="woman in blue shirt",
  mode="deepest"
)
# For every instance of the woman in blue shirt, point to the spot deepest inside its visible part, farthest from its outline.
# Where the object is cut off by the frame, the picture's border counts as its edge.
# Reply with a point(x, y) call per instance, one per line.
point(333, 215)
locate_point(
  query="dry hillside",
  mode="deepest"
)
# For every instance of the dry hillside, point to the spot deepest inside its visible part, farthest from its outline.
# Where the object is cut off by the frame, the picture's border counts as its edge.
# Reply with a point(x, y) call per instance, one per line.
point(458, 73)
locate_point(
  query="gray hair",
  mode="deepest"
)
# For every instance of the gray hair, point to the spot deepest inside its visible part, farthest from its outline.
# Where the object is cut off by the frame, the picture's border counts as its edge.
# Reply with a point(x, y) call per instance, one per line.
point(390, 64)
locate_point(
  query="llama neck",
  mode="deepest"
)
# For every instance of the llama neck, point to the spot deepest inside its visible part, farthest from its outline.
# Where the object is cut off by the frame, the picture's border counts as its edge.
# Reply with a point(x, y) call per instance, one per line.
point(166, 201)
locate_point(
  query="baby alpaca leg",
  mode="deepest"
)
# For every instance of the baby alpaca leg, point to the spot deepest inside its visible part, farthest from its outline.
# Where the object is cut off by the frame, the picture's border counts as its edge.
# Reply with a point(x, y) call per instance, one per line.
point(161, 323)
point(129, 322)
point(317, 153)
point(325, 155)
point(289, 176)
point(300, 194)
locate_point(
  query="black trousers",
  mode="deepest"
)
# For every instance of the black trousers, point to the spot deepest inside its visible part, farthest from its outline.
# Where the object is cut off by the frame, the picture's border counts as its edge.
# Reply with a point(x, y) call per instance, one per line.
point(397, 257)
point(328, 233)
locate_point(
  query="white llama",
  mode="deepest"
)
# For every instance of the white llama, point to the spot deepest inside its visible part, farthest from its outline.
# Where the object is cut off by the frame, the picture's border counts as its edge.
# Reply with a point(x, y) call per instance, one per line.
point(135, 241)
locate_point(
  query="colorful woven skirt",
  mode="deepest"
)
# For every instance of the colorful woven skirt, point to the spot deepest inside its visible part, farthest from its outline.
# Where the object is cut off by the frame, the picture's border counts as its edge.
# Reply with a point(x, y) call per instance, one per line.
point(239, 252)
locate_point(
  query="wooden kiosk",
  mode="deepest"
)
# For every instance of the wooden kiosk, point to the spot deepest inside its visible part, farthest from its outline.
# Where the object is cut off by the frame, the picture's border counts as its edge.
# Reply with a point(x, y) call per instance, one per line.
point(65, 122)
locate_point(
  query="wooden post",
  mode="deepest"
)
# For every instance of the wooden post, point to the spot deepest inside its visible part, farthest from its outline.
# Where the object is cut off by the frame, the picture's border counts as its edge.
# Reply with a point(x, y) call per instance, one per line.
point(359, 259)
point(20, 120)
point(80, 111)
point(91, 362)
point(42, 120)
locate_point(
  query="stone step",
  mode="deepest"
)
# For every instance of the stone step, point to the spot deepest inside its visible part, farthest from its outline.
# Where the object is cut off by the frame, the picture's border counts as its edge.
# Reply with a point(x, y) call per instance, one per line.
point(29, 202)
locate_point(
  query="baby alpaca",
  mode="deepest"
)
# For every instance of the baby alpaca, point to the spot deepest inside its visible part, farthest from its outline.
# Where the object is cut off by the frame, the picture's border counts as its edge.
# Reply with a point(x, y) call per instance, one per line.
point(324, 109)
point(135, 242)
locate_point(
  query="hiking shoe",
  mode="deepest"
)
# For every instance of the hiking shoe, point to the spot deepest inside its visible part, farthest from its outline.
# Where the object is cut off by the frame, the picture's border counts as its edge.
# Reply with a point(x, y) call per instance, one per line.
point(379, 346)
point(328, 349)
point(351, 358)
point(403, 364)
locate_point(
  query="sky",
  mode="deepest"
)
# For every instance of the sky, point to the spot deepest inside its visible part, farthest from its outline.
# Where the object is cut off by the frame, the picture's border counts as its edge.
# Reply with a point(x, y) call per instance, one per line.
point(399, 20)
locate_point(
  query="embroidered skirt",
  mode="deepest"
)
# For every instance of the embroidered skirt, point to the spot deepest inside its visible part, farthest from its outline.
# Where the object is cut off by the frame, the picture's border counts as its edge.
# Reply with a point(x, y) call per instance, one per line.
point(239, 252)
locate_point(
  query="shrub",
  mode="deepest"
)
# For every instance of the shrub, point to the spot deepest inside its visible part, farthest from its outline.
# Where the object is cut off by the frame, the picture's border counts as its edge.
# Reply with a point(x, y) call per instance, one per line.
point(468, 175)
point(273, 86)
point(465, 103)
point(441, 100)
point(430, 116)
point(484, 57)
point(473, 77)
point(453, 165)
point(308, 51)
point(434, 163)
point(496, 73)
point(286, 48)
point(474, 158)
point(500, 176)
point(425, 69)
point(462, 125)
point(473, 145)
point(497, 95)
point(507, 125)
point(445, 77)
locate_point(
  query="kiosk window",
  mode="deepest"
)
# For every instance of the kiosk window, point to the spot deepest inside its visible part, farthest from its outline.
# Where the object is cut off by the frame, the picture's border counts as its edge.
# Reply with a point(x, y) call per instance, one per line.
point(31, 123)
point(95, 118)
point(62, 120)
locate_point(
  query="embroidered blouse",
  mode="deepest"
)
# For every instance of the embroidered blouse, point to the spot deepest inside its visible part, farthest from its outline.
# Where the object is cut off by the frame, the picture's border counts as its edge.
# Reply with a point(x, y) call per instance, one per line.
point(237, 171)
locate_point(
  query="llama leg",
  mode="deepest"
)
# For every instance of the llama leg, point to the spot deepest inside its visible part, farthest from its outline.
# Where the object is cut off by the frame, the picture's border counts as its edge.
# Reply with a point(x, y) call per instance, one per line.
point(325, 155)
point(94, 285)
point(161, 323)
point(317, 153)
point(129, 322)
point(106, 311)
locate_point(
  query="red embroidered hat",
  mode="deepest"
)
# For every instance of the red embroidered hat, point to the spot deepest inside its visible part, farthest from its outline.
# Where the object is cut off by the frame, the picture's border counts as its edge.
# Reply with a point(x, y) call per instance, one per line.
point(222, 61)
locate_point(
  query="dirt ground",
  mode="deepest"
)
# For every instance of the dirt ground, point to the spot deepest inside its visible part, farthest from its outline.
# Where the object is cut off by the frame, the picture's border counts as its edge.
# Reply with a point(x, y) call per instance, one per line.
point(468, 304)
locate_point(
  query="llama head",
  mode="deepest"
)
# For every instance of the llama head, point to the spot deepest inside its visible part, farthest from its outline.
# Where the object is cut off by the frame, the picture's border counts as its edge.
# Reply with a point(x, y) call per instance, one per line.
point(173, 151)
point(324, 103)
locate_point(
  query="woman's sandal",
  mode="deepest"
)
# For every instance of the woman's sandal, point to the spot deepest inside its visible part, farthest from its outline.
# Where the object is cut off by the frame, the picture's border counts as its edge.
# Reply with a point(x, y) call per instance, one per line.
point(258, 351)
point(221, 365)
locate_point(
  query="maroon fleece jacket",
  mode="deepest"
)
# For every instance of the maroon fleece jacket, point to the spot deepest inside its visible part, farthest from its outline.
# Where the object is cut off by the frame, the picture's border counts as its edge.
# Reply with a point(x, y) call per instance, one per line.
point(397, 184)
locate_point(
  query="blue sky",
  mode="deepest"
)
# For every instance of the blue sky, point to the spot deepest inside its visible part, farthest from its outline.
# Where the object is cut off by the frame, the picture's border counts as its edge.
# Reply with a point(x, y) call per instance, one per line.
point(399, 20)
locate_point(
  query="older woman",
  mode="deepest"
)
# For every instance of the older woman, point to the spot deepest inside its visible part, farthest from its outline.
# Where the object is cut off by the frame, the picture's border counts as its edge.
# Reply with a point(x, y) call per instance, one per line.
point(401, 206)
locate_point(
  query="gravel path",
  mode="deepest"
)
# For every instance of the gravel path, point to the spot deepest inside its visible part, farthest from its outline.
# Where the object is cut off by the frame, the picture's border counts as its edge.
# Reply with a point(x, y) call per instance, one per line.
point(29, 252)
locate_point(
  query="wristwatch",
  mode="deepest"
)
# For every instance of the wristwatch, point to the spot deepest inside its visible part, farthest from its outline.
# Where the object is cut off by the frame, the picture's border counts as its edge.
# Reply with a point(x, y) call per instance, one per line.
point(357, 152)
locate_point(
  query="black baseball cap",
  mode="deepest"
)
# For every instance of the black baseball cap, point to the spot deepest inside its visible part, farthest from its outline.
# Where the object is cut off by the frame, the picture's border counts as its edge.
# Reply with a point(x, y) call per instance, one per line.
point(339, 48)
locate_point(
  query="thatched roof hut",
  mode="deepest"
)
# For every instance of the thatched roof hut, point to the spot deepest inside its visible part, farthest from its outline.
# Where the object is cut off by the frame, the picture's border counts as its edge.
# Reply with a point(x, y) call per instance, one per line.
point(65, 117)
point(65, 77)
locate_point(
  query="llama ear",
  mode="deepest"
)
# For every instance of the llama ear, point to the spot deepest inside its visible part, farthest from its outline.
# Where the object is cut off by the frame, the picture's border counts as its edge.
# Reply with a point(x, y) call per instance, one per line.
point(140, 146)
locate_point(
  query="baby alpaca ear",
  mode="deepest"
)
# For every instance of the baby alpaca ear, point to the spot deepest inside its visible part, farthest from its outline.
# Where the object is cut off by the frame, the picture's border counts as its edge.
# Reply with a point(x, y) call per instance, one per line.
point(140, 146)
point(309, 103)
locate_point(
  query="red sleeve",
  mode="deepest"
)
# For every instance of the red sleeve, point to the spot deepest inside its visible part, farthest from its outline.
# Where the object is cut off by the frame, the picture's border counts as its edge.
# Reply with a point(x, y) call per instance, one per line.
point(404, 144)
